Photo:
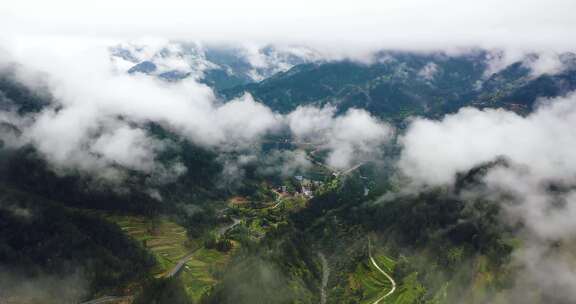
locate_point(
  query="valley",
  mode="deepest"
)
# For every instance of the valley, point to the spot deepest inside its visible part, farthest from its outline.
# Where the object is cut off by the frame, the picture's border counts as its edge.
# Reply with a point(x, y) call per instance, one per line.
point(191, 173)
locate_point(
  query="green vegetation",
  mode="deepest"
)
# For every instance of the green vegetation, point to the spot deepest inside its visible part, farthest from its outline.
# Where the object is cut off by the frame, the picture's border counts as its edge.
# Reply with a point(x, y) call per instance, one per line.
point(40, 238)
point(394, 88)
point(203, 271)
point(260, 218)
point(169, 244)
point(166, 240)
point(262, 245)
point(368, 283)
point(163, 291)
point(270, 241)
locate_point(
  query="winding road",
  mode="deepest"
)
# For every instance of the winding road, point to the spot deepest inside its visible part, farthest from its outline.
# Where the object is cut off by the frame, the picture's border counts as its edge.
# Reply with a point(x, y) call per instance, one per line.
point(176, 269)
point(223, 230)
point(350, 170)
point(384, 273)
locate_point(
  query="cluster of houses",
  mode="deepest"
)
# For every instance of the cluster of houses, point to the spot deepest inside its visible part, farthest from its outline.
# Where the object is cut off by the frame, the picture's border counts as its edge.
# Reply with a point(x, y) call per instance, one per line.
point(303, 187)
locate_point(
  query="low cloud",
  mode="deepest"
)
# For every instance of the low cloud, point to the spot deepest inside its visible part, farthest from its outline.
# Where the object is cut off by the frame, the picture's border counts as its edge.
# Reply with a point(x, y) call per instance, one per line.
point(251, 61)
point(49, 289)
point(544, 63)
point(269, 61)
point(234, 169)
point(352, 137)
point(537, 62)
point(98, 120)
point(428, 71)
point(128, 147)
point(166, 56)
point(272, 163)
point(538, 182)
point(543, 142)
point(284, 163)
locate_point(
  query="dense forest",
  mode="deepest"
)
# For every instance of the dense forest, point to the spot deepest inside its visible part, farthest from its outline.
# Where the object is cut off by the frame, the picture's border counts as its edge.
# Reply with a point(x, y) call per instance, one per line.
point(42, 238)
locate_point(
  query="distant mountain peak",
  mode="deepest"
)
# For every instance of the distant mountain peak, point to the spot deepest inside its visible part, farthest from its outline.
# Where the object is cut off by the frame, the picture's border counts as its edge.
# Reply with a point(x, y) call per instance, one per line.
point(218, 66)
point(145, 67)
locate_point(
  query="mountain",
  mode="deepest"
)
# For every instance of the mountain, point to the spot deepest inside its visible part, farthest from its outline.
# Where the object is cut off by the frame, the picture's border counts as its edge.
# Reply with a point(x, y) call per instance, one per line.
point(516, 88)
point(229, 229)
point(394, 85)
point(14, 96)
point(219, 66)
point(145, 67)
point(53, 254)
point(400, 84)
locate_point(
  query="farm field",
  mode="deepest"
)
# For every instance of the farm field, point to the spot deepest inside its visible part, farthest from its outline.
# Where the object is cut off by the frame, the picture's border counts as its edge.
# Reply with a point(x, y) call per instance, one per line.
point(169, 244)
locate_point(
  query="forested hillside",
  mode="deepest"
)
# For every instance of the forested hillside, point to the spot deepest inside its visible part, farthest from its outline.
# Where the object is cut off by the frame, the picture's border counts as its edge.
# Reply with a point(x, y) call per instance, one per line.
point(331, 189)
point(398, 85)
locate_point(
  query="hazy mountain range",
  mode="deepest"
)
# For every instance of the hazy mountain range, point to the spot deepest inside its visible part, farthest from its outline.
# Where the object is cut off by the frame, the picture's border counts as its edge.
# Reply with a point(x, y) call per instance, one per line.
point(220, 66)
point(390, 84)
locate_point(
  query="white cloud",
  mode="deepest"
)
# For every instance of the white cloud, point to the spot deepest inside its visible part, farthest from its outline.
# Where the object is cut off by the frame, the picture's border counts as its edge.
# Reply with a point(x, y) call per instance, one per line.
point(96, 123)
point(242, 120)
point(539, 149)
point(544, 63)
point(428, 71)
point(435, 150)
point(268, 61)
point(309, 123)
point(166, 55)
point(365, 23)
point(42, 288)
point(352, 137)
point(128, 147)
point(285, 163)
point(538, 62)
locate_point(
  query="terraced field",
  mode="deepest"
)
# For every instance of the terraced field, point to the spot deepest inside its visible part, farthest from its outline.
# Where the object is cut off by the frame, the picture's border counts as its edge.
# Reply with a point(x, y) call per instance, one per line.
point(409, 291)
point(168, 242)
point(203, 270)
point(372, 283)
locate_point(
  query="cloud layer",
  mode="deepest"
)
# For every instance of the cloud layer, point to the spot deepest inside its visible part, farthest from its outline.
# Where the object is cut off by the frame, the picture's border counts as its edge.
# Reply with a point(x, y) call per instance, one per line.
point(435, 150)
point(353, 136)
point(536, 189)
point(324, 24)
point(99, 121)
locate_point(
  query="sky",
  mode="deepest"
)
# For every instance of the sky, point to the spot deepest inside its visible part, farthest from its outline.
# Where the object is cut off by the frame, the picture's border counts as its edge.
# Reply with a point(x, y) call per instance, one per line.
point(361, 24)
